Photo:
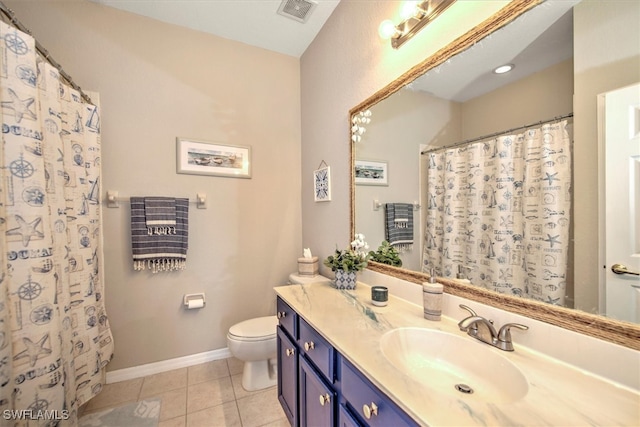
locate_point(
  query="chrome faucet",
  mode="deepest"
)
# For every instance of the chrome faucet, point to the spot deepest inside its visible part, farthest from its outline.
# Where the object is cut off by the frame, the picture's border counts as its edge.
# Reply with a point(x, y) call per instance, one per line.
point(483, 330)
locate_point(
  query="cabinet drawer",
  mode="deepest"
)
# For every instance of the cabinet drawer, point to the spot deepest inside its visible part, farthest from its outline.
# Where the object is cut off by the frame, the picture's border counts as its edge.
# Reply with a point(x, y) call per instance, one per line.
point(371, 405)
point(317, 350)
point(287, 318)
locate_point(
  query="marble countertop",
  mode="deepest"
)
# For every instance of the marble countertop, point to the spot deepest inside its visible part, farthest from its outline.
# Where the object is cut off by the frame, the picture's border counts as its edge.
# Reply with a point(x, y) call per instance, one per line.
point(558, 394)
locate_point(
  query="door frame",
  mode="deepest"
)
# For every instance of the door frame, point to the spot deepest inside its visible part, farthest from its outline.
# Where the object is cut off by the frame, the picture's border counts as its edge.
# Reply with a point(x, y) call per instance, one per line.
point(602, 218)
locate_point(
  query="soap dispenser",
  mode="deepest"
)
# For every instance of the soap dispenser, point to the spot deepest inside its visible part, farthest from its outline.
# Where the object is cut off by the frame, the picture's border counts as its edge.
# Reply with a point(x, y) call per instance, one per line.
point(460, 275)
point(432, 297)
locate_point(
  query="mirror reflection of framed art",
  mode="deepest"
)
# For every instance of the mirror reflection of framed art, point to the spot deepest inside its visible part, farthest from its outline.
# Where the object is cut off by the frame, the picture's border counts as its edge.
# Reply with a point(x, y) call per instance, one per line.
point(371, 173)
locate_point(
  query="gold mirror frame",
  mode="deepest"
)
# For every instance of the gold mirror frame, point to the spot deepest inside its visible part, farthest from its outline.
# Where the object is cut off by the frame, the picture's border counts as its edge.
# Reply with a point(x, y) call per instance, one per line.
point(622, 333)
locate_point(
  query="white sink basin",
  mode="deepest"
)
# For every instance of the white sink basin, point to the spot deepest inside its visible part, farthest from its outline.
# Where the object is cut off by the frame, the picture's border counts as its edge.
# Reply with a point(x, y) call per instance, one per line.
point(450, 364)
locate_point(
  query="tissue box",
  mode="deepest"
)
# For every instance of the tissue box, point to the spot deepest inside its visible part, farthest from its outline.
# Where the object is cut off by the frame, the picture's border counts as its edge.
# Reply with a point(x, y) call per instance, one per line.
point(308, 266)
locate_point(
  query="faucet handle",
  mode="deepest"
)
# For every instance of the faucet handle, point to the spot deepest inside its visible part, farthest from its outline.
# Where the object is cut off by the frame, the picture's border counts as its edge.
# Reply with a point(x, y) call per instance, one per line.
point(504, 335)
point(471, 312)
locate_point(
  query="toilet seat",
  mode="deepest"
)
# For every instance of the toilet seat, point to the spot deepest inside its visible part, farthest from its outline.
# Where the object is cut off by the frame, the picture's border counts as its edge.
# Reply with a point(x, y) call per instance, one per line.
point(258, 329)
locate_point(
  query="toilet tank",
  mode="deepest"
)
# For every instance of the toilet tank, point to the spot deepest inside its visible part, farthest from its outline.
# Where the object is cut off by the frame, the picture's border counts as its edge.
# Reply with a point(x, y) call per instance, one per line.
point(296, 279)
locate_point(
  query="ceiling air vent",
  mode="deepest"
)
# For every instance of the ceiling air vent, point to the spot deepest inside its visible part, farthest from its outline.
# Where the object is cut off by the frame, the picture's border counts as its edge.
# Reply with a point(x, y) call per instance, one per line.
point(299, 10)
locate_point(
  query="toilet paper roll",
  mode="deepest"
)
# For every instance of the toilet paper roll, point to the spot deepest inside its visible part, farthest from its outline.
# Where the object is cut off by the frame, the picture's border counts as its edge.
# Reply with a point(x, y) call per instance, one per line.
point(195, 303)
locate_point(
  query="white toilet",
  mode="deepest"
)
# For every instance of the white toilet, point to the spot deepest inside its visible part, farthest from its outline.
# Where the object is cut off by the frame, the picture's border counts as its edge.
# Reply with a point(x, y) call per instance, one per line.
point(254, 342)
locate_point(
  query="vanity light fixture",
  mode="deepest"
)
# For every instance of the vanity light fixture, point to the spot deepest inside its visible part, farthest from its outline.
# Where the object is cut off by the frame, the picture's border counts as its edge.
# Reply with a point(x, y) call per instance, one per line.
point(416, 15)
point(504, 69)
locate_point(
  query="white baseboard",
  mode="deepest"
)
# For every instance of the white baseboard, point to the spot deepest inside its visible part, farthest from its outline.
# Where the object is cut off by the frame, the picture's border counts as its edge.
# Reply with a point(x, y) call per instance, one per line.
point(166, 365)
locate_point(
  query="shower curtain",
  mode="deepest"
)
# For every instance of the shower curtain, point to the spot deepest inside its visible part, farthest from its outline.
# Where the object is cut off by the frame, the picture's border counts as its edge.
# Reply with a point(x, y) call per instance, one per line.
point(499, 213)
point(55, 338)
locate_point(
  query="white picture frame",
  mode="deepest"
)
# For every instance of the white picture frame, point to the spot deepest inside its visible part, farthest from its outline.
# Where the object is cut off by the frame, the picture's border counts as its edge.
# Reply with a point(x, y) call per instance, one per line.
point(322, 184)
point(211, 158)
point(369, 172)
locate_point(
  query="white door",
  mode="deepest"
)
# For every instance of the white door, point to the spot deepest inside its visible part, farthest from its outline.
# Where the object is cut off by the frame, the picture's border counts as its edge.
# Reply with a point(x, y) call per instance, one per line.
point(621, 132)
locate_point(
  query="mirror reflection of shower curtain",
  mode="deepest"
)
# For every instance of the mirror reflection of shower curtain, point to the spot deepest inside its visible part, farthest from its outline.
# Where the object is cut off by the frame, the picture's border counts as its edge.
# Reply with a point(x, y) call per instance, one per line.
point(501, 208)
point(55, 339)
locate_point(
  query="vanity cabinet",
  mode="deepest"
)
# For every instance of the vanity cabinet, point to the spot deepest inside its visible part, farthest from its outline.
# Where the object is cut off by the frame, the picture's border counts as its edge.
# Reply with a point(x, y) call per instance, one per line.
point(317, 386)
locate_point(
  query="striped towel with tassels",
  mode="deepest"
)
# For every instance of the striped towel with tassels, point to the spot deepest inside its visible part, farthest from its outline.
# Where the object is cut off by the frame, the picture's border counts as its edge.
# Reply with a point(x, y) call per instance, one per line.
point(165, 250)
point(160, 215)
point(399, 225)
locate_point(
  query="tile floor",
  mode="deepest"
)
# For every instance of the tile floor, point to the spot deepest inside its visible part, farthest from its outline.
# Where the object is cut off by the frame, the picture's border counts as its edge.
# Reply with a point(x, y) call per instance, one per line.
point(206, 395)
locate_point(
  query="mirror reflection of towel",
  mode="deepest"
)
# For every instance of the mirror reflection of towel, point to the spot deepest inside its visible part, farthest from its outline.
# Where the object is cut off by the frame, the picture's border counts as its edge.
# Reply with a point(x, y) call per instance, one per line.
point(399, 225)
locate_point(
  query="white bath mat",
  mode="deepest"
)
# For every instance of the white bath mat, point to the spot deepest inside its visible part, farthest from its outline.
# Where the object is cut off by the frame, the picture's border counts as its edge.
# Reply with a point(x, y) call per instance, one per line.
point(138, 414)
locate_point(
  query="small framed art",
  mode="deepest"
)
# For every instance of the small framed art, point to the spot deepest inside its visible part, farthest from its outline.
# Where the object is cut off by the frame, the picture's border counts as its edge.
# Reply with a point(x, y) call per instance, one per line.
point(210, 158)
point(322, 184)
point(371, 172)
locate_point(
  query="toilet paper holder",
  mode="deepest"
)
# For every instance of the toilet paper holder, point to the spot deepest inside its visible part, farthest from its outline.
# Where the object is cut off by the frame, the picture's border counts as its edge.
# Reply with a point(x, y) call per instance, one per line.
point(191, 300)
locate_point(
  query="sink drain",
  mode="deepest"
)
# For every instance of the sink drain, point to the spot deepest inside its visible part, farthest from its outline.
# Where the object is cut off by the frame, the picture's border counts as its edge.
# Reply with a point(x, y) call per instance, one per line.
point(463, 388)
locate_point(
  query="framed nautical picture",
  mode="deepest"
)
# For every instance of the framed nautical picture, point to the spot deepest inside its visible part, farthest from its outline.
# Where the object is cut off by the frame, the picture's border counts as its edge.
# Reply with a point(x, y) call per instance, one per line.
point(322, 184)
point(210, 158)
point(371, 172)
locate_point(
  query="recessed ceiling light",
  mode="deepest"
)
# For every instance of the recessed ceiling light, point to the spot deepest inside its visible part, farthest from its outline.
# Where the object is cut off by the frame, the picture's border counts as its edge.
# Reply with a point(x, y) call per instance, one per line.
point(504, 68)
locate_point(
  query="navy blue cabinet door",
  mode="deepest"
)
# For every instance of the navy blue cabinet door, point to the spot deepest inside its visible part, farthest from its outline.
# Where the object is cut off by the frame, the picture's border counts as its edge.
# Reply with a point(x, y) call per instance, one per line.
point(287, 376)
point(317, 400)
point(345, 419)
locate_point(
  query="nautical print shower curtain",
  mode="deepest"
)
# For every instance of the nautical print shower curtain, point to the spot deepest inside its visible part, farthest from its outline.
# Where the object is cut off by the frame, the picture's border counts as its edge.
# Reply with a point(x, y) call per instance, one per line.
point(54, 333)
point(499, 210)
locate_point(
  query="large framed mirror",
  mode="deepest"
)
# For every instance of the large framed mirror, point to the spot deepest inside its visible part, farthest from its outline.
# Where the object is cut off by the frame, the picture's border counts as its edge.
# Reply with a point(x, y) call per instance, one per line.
point(443, 101)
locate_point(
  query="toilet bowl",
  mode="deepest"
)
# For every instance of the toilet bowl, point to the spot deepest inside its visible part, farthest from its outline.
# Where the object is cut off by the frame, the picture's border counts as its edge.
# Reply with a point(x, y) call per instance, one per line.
point(254, 342)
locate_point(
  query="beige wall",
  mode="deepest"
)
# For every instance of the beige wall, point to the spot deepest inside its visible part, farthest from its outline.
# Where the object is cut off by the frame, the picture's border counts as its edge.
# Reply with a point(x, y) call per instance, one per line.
point(540, 96)
point(158, 82)
point(345, 64)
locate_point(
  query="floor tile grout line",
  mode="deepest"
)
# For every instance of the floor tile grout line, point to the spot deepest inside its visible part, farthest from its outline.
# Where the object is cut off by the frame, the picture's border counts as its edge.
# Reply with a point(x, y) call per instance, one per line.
point(229, 375)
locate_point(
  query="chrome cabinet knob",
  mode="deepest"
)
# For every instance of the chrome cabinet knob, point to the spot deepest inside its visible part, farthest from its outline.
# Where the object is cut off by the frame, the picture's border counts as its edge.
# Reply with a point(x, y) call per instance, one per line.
point(309, 346)
point(290, 351)
point(281, 314)
point(325, 399)
point(370, 410)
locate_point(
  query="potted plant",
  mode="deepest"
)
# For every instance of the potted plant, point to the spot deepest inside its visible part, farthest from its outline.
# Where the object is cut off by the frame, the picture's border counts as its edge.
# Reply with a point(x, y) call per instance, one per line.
point(386, 254)
point(345, 263)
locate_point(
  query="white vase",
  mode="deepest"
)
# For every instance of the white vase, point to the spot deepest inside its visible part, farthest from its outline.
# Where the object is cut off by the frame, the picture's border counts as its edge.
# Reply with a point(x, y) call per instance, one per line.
point(345, 279)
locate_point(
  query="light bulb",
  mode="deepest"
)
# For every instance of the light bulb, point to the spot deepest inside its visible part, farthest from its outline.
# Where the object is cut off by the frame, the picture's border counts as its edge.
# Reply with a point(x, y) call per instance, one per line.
point(387, 29)
point(409, 9)
point(504, 69)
